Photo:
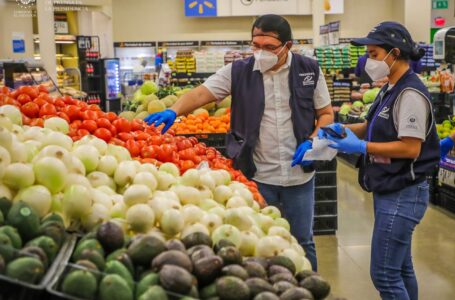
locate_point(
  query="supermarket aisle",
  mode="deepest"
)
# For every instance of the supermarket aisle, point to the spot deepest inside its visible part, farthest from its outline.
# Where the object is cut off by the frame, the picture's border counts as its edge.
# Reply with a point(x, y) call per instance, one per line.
point(344, 260)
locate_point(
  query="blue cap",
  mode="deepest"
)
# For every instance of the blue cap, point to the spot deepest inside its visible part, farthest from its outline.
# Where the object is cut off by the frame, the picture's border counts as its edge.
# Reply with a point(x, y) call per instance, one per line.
point(391, 34)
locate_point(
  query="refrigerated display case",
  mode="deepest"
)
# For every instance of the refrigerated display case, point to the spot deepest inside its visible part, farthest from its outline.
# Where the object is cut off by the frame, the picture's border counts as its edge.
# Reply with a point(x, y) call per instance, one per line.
point(111, 92)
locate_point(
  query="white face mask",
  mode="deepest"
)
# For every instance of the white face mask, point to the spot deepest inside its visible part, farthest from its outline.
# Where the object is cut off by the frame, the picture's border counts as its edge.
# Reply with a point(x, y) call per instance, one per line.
point(378, 69)
point(266, 60)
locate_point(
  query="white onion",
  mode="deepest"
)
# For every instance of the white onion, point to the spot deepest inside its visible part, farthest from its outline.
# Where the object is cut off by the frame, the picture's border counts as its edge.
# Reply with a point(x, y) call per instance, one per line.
point(58, 138)
point(6, 138)
point(220, 211)
point(212, 221)
point(227, 232)
point(108, 164)
point(125, 173)
point(99, 144)
point(57, 124)
point(38, 197)
point(281, 232)
point(56, 203)
point(88, 155)
point(135, 194)
point(119, 210)
point(6, 123)
point(282, 223)
point(237, 218)
point(147, 167)
point(18, 176)
point(205, 193)
point(147, 179)
point(160, 205)
point(208, 204)
point(208, 181)
point(97, 215)
point(99, 178)
point(295, 257)
point(12, 113)
point(50, 172)
point(107, 190)
point(271, 211)
point(5, 160)
point(269, 246)
point(34, 134)
point(192, 214)
point(196, 227)
point(120, 153)
point(77, 201)
point(55, 151)
point(77, 166)
point(246, 195)
point(170, 168)
point(31, 149)
point(102, 198)
point(165, 180)
point(5, 192)
point(222, 194)
point(188, 194)
point(190, 178)
point(171, 222)
point(248, 243)
point(73, 178)
point(18, 131)
point(140, 217)
point(236, 201)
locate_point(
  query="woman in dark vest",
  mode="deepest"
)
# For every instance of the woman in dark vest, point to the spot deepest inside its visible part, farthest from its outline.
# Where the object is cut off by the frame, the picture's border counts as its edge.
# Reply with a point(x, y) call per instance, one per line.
point(399, 147)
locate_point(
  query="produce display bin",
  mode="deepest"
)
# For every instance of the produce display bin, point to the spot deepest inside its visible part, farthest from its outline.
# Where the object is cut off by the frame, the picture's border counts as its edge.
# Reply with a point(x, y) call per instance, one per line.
point(215, 140)
point(434, 188)
point(447, 197)
point(12, 289)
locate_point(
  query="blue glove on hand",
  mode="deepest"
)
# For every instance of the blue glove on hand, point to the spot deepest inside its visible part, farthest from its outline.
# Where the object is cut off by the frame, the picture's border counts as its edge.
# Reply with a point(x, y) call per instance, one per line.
point(166, 117)
point(350, 144)
point(446, 145)
point(337, 127)
point(298, 155)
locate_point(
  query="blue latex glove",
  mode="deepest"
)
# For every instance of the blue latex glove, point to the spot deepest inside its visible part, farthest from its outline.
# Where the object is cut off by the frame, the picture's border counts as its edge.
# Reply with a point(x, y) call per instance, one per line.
point(446, 145)
point(350, 144)
point(298, 155)
point(166, 117)
point(337, 127)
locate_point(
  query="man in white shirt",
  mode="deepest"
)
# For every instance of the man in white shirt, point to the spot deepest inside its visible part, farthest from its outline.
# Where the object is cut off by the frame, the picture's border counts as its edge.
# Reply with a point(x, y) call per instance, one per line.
point(279, 101)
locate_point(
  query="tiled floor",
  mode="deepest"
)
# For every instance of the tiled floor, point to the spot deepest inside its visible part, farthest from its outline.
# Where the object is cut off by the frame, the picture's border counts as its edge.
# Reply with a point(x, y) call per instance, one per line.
point(344, 259)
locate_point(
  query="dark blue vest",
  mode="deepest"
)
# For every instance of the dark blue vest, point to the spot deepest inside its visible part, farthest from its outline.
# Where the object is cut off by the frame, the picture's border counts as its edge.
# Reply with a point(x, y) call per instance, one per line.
point(248, 102)
point(387, 178)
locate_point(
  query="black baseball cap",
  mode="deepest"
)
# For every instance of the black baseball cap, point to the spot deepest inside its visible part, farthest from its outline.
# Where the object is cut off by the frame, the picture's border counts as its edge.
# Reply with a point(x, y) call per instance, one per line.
point(392, 34)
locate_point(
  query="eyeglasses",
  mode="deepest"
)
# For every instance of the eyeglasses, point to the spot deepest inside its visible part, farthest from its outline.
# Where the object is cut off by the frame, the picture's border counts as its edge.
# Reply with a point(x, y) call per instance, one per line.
point(255, 47)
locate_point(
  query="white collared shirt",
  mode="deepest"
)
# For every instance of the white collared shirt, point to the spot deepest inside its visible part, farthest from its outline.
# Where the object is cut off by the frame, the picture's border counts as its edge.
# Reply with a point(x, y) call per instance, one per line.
point(276, 144)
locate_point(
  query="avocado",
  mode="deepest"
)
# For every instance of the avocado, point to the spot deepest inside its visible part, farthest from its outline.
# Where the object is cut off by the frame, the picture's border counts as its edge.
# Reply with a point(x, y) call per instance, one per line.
point(88, 244)
point(223, 243)
point(194, 293)
point(54, 230)
point(258, 285)
point(53, 217)
point(260, 260)
point(300, 276)
point(175, 245)
point(149, 280)
point(2, 219)
point(35, 251)
point(13, 235)
point(236, 271)
point(114, 287)
point(81, 284)
point(283, 277)
point(116, 267)
point(115, 254)
point(5, 206)
point(255, 269)
point(209, 291)
point(7, 251)
point(230, 255)
point(232, 288)
point(144, 249)
point(276, 269)
point(111, 236)
point(2, 265)
point(297, 294)
point(121, 256)
point(317, 286)
point(26, 269)
point(89, 236)
point(176, 279)
point(25, 219)
point(86, 264)
point(266, 296)
point(198, 252)
point(197, 238)
point(47, 244)
point(208, 269)
point(282, 286)
point(282, 261)
point(93, 256)
point(154, 293)
point(172, 257)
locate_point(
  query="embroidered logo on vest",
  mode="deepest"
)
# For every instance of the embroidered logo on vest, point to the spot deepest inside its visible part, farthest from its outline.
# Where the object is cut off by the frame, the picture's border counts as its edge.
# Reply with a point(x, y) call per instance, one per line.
point(385, 113)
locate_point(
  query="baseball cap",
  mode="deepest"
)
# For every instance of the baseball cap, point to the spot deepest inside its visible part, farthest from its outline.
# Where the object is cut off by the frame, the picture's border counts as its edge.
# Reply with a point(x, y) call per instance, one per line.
point(392, 34)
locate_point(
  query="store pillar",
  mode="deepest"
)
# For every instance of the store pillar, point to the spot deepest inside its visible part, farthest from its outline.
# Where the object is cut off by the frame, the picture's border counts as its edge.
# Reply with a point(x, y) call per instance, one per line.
point(45, 11)
point(318, 20)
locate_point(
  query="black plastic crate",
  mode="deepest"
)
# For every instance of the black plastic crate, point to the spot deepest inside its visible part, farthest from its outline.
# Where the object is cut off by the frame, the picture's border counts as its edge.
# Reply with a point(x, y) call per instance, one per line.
point(326, 178)
point(324, 208)
point(434, 187)
point(322, 166)
point(447, 198)
point(12, 289)
point(325, 224)
point(215, 140)
point(324, 193)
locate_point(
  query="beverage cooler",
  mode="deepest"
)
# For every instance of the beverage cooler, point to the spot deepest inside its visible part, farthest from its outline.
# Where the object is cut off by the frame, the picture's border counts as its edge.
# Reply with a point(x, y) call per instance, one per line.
point(111, 85)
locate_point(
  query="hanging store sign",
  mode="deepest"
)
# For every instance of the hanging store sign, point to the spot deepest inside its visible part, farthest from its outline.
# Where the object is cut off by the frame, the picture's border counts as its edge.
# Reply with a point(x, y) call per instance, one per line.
point(440, 4)
point(302, 42)
point(134, 44)
point(179, 44)
point(334, 33)
point(222, 43)
point(61, 23)
point(324, 35)
point(18, 39)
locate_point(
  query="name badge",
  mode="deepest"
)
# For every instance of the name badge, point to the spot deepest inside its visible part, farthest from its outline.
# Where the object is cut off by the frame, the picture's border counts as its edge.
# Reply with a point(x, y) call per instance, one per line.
point(377, 159)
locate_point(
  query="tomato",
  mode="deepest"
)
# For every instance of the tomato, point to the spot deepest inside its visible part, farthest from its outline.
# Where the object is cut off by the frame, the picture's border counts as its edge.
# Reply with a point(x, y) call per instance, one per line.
point(150, 151)
point(184, 144)
point(175, 158)
point(11, 101)
point(155, 140)
point(133, 148)
point(68, 100)
point(43, 89)
point(111, 116)
point(197, 160)
point(113, 130)
point(31, 91)
point(200, 148)
point(193, 140)
point(37, 122)
point(40, 101)
point(72, 111)
point(83, 132)
point(59, 103)
point(82, 104)
point(47, 109)
point(103, 123)
point(122, 125)
point(103, 134)
point(140, 135)
point(4, 90)
point(186, 165)
point(30, 109)
point(23, 99)
point(187, 154)
point(76, 123)
point(26, 120)
point(76, 138)
point(94, 107)
point(117, 142)
point(89, 115)
point(137, 125)
point(73, 131)
point(125, 136)
point(142, 143)
point(63, 116)
point(89, 125)
point(165, 153)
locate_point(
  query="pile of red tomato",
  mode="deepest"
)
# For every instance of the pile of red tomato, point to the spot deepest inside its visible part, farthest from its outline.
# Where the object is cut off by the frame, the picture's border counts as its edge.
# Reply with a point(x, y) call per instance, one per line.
point(144, 142)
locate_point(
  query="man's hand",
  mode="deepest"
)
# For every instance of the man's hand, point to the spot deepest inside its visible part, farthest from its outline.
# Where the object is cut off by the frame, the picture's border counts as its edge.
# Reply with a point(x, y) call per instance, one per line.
point(166, 117)
point(298, 155)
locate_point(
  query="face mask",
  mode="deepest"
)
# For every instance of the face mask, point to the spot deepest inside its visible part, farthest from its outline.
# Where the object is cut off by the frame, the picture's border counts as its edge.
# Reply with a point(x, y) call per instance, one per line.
point(266, 60)
point(378, 69)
